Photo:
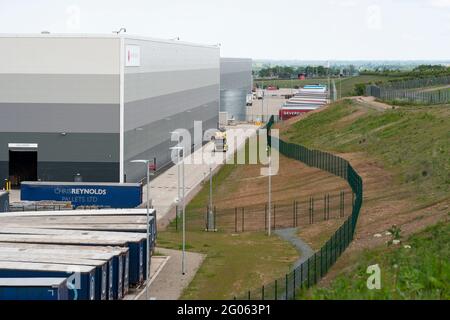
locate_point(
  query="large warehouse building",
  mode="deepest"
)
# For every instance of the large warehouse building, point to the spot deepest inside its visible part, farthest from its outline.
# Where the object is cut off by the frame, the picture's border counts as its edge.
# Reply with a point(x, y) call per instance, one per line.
point(236, 82)
point(88, 105)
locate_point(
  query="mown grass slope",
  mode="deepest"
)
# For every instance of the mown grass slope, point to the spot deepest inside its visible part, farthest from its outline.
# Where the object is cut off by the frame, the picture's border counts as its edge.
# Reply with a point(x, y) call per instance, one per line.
point(418, 268)
point(404, 158)
point(414, 143)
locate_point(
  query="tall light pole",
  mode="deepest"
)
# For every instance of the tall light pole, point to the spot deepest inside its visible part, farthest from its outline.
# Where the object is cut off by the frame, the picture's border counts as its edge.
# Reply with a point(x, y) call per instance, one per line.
point(147, 165)
point(183, 204)
point(269, 153)
point(262, 104)
point(211, 223)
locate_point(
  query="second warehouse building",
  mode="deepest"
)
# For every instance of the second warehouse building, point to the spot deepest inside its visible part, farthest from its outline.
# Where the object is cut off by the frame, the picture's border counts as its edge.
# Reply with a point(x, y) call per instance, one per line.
point(88, 105)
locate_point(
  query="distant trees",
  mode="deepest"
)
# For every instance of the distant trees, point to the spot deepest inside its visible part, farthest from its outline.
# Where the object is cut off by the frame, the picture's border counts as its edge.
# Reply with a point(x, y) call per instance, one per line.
point(417, 72)
point(288, 72)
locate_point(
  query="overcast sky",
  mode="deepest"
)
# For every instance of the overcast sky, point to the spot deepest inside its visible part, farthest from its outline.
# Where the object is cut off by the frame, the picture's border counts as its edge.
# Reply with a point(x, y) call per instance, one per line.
point(273, 29)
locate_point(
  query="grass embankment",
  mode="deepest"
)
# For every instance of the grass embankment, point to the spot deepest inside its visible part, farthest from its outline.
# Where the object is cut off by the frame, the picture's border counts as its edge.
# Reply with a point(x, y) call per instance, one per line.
point(419, 268)
point(413, 143)
point(403, 157)
point(233, 263)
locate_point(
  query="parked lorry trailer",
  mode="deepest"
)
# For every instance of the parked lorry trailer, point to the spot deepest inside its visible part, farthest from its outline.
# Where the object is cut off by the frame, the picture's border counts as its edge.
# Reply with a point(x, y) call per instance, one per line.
point(33, 289)
point(82, 277)
point(119, 257)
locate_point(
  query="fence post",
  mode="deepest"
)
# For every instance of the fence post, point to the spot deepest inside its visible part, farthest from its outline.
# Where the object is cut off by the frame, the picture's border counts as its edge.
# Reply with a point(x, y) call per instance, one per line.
point(274, 217)
point(207, 218)
point(262, 293)
point(215, 218)
point(293, 287)
point(249, 298)
point(276, 289)
point(265, 216)
point(309, 267)
point(315, 268)
point(287, 292)
point(301, 276)
point(243, 219)
point(321, 262)
point(235, 220)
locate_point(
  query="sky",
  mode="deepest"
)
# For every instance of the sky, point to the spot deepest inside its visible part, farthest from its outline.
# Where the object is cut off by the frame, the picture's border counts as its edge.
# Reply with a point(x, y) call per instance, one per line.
point(258, 29)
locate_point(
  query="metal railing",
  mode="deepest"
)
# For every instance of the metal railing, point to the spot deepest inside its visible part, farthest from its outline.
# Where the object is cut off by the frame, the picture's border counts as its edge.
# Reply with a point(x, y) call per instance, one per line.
point(316, 266)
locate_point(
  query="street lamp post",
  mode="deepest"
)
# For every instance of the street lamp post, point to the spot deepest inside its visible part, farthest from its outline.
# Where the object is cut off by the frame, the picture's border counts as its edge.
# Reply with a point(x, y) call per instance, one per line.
point(183, 204)
point(147, 164)
point(270, 192)
point(211, 223)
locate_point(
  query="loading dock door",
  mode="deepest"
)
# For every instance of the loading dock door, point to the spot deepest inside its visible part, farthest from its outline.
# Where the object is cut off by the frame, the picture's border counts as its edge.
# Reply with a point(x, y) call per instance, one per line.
point(22, 166)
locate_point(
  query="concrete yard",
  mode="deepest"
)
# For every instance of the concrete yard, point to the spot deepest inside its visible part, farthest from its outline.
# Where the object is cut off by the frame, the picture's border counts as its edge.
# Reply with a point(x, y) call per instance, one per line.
point(268, 107)
point(163, 189)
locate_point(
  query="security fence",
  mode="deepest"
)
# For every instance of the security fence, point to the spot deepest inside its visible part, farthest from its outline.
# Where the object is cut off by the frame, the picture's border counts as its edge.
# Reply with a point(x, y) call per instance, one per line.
point(413, 91)
point(283, 214)
point(418, 83)
point(316, 266)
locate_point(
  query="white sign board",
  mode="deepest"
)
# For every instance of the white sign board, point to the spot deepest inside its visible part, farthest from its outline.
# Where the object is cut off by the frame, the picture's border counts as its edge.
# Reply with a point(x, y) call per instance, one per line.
point(22, 145)
point(132, 56)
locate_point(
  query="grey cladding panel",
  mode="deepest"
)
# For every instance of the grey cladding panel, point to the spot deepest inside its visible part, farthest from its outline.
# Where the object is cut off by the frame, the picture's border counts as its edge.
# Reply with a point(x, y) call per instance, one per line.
point(59, 88)
point(66, 171)
point(161, 151)
point(74, 147)
point(89, 171)
point(37, 117)
point(235, 65)
point(150, 135)
point(238, 80)
point(235, 103)
point(140, 86)
point(142, 112)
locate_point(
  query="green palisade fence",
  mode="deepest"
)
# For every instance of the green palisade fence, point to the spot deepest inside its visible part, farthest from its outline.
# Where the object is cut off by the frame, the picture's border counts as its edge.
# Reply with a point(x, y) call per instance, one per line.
point(412, 91)
point(312, 270)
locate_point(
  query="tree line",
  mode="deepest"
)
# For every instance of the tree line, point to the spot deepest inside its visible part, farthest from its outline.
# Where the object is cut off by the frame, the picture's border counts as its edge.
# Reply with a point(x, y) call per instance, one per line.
point(289, 72)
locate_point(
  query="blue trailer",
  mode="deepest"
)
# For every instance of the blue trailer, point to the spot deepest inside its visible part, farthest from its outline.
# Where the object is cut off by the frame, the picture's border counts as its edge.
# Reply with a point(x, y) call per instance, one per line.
point(117, 258)
point(101, 267)
point(108, 195)
point(33, 289)
point(81, 279)
point(135, 242)
point(4, 201)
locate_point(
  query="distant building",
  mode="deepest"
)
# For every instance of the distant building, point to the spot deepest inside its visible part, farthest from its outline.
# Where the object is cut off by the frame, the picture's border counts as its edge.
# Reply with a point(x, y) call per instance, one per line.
point(236, 83)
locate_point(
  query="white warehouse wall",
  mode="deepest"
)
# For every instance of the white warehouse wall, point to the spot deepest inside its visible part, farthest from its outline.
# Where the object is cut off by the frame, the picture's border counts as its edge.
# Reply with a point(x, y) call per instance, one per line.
point(174, 85)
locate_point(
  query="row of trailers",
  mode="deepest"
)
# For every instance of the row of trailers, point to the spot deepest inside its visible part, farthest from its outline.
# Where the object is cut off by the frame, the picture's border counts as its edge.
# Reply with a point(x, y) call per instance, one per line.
point(74, 255)
point(309, 98)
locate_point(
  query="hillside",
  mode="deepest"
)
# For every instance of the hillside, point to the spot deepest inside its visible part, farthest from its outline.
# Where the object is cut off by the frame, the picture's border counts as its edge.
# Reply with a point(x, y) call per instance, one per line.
point(403, 158)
